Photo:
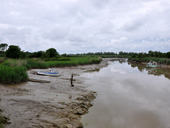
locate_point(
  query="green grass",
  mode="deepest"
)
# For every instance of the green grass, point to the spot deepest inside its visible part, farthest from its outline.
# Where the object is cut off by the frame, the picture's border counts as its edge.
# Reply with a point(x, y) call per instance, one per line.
point(13, 71)
point(74, 61)
point(12, 75)
point(61, 62)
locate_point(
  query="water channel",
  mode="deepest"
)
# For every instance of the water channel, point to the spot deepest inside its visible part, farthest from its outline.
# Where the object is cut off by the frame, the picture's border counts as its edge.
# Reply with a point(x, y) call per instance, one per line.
point(129, 96)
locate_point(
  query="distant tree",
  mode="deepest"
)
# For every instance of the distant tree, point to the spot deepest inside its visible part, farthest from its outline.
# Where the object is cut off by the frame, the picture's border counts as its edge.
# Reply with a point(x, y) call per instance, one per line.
point(3, 47)
point(44, 55)
point(13, 51)
point(52, 52)
point(64, 55)
point(22, 54)
point(168, 54)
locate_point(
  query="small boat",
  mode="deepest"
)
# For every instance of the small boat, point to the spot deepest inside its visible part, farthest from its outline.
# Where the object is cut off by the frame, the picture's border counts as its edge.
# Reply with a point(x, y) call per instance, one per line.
point(151, 64)
point(48, 73)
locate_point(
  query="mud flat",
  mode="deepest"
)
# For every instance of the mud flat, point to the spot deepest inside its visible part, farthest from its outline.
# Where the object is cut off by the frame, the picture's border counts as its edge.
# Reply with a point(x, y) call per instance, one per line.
point(48, 105)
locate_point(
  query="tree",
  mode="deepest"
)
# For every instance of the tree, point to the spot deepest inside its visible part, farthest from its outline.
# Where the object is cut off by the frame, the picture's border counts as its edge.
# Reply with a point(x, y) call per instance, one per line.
point(3, 47)
point(168, 54)
point(52, 52)
point(13, 51)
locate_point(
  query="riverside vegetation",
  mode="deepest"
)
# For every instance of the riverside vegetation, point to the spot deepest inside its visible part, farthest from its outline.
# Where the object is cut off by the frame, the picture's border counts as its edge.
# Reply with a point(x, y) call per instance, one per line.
point(13, 71)
point(14, 63)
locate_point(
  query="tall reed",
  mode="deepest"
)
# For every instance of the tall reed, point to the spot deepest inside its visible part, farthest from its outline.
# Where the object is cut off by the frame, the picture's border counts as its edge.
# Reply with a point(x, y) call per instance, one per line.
point(12, 75)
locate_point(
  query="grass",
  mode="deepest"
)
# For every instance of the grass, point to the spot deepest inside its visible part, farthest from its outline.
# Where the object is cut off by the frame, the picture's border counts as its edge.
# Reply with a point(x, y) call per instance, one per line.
point(12, 75)
point(13, 71)
point(61, 62)
point(74, 61)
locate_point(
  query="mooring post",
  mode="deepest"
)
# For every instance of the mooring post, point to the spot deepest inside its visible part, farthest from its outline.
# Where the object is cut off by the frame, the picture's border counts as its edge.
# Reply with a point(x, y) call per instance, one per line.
point(71, 80)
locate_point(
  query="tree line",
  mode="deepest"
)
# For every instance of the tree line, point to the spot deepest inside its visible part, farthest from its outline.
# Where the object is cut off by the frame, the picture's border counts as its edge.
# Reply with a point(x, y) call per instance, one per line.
point(15, 52)
point(128, 54)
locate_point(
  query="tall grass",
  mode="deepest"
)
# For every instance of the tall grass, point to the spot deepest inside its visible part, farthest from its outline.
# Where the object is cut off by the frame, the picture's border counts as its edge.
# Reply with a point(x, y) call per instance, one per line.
point(74, 61)
point(15, 62)
point(12, 75)
point(61, 62)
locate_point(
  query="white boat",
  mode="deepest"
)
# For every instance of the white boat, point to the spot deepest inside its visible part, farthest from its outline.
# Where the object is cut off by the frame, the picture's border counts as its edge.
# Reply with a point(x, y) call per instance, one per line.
point(48, 73)
point(151, 64)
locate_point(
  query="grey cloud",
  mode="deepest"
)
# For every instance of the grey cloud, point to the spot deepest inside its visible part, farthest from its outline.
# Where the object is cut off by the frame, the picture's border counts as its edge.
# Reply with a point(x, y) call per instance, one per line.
point(88, 25)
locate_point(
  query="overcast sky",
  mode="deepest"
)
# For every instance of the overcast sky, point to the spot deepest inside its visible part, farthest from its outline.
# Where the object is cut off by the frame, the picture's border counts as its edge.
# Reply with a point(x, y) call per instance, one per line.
point(80, 26)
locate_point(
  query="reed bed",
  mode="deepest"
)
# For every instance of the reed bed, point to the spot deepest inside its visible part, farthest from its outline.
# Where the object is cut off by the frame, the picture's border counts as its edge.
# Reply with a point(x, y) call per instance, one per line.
point(12, 75)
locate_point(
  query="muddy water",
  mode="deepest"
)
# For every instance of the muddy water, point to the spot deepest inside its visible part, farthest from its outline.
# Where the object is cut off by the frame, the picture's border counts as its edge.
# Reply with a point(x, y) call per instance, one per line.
point(129, 96)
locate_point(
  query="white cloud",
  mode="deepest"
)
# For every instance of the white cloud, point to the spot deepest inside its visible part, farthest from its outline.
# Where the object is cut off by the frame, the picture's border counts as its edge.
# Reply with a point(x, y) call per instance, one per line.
point(73, 26)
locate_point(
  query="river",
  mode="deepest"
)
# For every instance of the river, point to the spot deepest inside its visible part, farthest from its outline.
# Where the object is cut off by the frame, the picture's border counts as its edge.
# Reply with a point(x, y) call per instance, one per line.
point(129, 96)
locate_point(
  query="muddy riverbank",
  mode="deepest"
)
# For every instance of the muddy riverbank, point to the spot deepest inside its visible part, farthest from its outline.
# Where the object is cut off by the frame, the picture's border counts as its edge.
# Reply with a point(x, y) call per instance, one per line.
point(48, 105)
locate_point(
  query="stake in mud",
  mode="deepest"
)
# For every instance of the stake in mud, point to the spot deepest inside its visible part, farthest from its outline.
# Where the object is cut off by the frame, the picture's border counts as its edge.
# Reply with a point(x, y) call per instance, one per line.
point(71, 80)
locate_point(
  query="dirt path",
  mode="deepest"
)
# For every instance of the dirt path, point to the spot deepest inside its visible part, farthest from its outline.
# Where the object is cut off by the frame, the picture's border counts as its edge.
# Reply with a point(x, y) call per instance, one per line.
point(48, 105)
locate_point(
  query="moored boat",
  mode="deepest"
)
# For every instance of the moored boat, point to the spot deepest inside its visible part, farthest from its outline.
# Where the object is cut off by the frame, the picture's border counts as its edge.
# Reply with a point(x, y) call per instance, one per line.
point(151, 64)
point(48, 73)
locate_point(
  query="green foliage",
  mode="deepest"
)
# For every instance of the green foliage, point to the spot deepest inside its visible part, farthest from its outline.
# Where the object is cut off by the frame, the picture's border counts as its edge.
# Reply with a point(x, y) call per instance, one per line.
point(12, 75)
point(13, 51)
point(52, 52)
point(3, 47)
point(168, 54)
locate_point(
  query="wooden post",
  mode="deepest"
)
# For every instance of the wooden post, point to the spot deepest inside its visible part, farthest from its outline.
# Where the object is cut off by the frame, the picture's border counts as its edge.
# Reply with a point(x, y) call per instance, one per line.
point(71, 80)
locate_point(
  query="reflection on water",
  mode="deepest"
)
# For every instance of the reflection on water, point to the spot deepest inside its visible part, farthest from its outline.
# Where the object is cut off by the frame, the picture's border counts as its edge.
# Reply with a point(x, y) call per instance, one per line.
point(129, 97)
point(155, 71)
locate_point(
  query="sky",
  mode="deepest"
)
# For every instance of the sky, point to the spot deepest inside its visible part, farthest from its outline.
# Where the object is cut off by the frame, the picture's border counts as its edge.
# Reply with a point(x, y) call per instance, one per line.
point(81, 26)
